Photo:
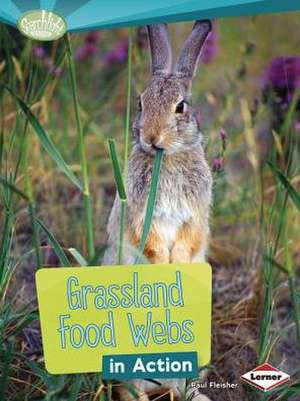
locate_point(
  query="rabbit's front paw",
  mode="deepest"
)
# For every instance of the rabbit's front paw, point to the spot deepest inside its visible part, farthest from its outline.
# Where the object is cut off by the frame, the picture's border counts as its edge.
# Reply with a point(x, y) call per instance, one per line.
point(188, 243)
point(156, 249)
point(180, 254)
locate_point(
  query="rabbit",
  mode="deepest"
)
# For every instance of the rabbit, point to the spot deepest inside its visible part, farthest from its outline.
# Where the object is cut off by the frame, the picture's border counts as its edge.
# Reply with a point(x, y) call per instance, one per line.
point(166, 120)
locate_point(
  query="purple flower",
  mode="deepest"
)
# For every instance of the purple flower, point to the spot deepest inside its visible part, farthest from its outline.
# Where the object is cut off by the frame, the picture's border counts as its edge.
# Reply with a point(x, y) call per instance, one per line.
point(223, 134)
point(210, 47)
point(86, 50)
point(297, 126)
point(118, 54)
point(283, 76)
point(217, 164)
point(89, 47)
point(39, 52)
point(93, 37)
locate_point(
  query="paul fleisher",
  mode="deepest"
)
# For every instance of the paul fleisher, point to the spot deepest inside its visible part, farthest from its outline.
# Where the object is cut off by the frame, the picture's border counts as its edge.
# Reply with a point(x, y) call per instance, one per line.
point(212, 384)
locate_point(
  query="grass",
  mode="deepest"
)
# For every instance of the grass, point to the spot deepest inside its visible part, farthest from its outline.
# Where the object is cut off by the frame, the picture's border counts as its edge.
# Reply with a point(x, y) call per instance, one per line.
point(57, 187)
point(82, 154)
point(151, 201)
point(121, 192)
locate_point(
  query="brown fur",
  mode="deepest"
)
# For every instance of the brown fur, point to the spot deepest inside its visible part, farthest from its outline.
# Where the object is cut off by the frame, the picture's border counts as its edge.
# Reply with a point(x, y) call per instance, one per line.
point(155, 249)
point(187, 244)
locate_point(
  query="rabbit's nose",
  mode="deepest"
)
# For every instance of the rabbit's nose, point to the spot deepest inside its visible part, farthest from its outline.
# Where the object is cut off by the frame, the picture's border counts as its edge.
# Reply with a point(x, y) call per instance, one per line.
point(154, 143)
point(157, 143)
point(152, 139)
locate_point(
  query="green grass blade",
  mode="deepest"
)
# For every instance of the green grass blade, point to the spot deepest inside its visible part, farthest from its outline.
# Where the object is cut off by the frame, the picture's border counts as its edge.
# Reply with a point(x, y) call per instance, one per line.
point(87, 202)
point(151, 200)
point(55, 244)
point(41, 90)
point(46, 142)
point(117, 170)
point(54, 383)
point(78, 257)
point(276, 264)
point(290, 113)
point(13, 188)
point(292, 391)
point(42, 374)
point(128, 103)
point(296, 307)
point(75, 388)
point(109, 391)
point(35, 234)
point(291, 282)
point(122, 194)
point(5, 246)
point(1, 132)
point(265, 335)
point(98, 256)
point(6, 231)
point(22, 322)
point(294, 196)
point(5, 370)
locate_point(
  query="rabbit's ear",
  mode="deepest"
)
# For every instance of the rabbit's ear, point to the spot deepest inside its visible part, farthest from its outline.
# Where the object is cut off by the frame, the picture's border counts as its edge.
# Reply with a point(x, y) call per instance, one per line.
point(187, 61)
point(161, 54)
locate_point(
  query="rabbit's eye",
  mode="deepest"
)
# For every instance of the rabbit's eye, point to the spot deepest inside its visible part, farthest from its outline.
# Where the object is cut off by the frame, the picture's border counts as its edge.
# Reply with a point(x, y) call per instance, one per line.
point(181, 107)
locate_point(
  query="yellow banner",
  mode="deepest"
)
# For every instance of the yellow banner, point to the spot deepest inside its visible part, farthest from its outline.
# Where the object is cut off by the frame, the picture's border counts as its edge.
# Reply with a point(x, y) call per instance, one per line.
point(89, 312)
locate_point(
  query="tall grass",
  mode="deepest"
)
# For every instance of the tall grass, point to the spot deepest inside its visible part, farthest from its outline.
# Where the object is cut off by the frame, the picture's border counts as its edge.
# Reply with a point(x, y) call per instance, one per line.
point(10, 190)
point(151, 201)
point(288, 262)
point(121, 193)
point(82, 154)
point(275, 228)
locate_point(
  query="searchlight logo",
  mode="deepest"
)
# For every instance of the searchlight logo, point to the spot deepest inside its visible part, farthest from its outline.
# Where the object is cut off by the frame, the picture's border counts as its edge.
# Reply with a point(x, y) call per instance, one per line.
point(265, 377)
point(42, 25)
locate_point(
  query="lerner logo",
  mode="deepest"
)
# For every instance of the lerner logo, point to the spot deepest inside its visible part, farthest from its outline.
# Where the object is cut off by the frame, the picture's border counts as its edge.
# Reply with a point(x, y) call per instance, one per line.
point(265, 377)
point(42, 25)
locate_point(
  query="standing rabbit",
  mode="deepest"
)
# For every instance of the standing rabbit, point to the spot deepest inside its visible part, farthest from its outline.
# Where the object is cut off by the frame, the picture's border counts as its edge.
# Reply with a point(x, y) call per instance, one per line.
point(166, 120)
